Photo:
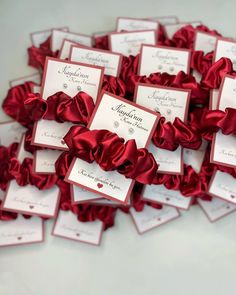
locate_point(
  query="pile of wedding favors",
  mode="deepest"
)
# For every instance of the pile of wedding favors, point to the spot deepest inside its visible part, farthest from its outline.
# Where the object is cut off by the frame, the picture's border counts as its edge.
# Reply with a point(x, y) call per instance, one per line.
point(141, 120)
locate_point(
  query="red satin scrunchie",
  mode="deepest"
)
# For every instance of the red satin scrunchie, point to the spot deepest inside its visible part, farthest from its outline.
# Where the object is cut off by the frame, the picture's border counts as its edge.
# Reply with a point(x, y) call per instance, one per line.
point(208, 122)
point(213, 77)
point(60, 107)
point(199, 94)
point(13, 104)
point(170, 135)
point(23, 174)
point(111, 153)
point(6, 154)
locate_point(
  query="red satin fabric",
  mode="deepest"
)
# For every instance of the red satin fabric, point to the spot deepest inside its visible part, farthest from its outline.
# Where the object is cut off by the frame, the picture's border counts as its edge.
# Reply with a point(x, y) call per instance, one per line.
point(63, 163)
point(23, 174)
point(13, 104)
point(200, 62)
point(86, 212)
point(6, 154)
point(114, 85)
point(188, 183)
point(129, 67)
point(37, 56)
point(138, 203)
point(213, 77)
point(7, 216)
point(185, 37)
point(60, 107)
point(111, 153)
point(101, 42)
point(181, 80)
point(209, 122)
point(170, 135)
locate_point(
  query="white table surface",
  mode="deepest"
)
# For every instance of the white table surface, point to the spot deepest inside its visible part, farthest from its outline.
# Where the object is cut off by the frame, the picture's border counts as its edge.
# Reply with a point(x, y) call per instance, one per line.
point(187, 256)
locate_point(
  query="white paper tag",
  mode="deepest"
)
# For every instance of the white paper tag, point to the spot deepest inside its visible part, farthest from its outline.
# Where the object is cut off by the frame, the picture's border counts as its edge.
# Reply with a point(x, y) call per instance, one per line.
point(21, 231)
point(127, 119)
point(204, 42)
point(170, 162)
point(36, 89)
point(169, 102)
point(68, 226)
point(155, 59)
point(226, 48)
point(227, 95)
point(11, 132)
point(65, 49)
point(109, 184)
point(58, 37)
point(21, 152)
point(195, 158)
point(71, 77)
point(223, 186)
point(44, 161)
point(50, 134)
point(30, 200)
point(129, 43)
point(150, 218)
point(81, 195)
point(135, 24)
point(162, 195)
point(223, 149)
point(110, 61)
point(216, 208)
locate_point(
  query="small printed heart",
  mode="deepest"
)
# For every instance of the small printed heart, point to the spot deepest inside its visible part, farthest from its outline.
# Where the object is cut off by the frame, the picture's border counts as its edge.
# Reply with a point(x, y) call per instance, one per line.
point(232, 196)
point(19, 238)
point(99, 185)
point(167, 199)
point(31, 207)
point(63, 142)
point(77, 235)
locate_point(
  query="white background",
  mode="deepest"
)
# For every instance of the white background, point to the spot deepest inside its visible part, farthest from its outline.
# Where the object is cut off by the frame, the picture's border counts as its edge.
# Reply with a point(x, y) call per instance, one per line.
point(187, 256)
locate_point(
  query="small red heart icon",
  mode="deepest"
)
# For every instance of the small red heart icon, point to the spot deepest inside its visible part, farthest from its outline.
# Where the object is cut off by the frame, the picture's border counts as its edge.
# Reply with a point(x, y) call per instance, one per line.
point(99, 185)
point(63, 142)
point(31, 207)
point(19, 238)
